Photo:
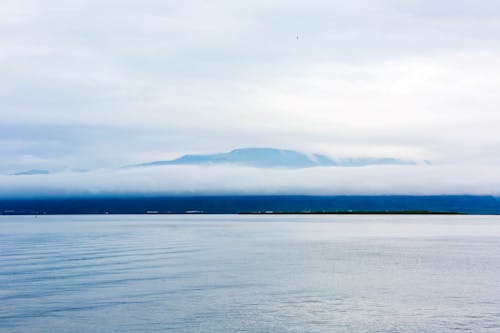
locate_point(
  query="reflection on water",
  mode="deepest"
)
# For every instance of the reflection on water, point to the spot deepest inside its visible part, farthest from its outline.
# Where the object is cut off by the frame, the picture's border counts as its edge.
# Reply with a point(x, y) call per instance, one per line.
point(249, 273)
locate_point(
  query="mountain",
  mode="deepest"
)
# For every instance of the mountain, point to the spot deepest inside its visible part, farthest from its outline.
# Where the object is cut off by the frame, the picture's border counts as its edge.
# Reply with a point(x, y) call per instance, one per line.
point(272, 158)
point(31, 172)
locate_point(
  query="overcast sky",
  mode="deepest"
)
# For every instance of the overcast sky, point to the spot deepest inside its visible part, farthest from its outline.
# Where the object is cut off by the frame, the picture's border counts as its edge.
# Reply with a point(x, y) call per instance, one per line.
point(99, 84)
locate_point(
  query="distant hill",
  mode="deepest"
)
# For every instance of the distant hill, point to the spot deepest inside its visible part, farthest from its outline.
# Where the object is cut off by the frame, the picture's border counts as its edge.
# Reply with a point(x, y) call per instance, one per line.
point(31, 172)
point(251, 204)
point(272, 158)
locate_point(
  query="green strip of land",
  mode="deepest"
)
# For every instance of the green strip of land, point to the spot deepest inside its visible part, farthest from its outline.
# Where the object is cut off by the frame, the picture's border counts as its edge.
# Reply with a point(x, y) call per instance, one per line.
point(353, 212)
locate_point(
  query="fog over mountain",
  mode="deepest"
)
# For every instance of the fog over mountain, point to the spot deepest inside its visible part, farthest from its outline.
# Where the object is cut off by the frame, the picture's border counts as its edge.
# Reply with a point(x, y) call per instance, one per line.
point(230, 179)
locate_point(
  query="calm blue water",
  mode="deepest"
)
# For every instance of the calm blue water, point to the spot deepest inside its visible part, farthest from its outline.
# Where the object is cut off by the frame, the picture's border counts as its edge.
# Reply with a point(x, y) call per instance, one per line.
point(250, 274)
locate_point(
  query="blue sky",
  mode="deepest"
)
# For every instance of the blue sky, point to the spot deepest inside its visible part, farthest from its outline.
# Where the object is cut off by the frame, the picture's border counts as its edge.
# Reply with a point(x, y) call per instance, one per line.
point(94, 85)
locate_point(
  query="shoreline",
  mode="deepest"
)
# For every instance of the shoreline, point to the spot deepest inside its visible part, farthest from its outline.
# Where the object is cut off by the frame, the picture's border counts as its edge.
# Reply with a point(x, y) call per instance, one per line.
point(250, 213)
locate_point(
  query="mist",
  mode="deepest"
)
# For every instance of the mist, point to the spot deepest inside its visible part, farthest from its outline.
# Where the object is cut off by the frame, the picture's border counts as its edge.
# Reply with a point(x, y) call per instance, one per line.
point(233, 180)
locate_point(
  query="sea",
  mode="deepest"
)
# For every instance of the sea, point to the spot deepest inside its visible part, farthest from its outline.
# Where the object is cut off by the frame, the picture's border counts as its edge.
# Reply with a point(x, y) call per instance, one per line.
point(250, 273)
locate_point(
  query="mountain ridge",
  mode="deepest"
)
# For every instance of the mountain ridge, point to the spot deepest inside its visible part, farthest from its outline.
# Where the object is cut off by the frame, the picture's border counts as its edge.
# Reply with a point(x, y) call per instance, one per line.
point(31, 172)
point(272, 158)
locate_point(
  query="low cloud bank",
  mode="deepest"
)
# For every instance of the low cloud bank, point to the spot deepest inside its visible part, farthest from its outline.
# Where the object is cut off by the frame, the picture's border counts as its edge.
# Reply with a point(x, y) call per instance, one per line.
point(214, 180)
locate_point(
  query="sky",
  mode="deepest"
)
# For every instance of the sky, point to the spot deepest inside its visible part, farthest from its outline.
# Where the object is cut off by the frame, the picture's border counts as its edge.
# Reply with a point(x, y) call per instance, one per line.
point(96, 85)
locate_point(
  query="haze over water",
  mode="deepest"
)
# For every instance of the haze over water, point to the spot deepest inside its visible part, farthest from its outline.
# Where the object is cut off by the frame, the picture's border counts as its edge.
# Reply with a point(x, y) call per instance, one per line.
point(249, 273)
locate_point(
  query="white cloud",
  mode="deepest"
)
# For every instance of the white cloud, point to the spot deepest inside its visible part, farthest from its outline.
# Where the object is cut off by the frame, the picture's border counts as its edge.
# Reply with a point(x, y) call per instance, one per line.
point(125, 81)
point(411, 180)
